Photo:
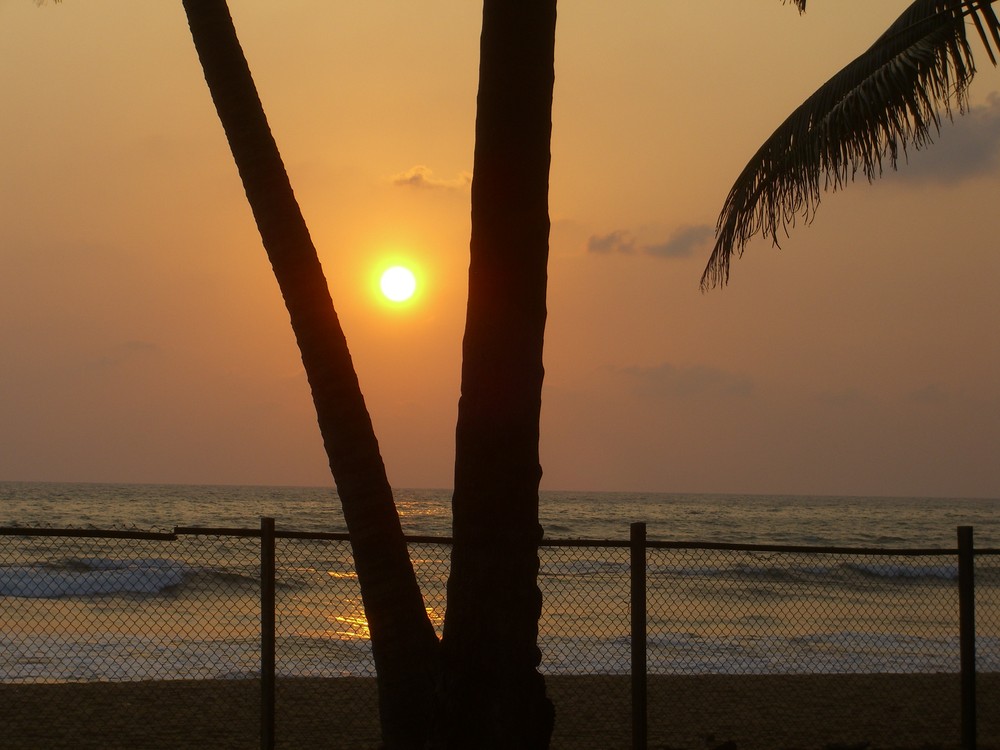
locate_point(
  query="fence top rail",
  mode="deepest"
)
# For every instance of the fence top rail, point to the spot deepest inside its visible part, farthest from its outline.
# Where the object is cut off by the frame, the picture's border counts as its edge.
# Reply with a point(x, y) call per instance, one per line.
point(735, 547)
point(887, 551)
point(340, 536)
point(97, 533)
point(418, 539)
point(621, 543)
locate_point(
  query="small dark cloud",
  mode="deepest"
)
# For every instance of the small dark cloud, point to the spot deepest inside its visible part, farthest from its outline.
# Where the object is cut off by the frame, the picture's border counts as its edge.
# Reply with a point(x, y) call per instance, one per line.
point(618, 241)
point(422, 178)
point(966, 148)
point(669, 381)
point(682, 243)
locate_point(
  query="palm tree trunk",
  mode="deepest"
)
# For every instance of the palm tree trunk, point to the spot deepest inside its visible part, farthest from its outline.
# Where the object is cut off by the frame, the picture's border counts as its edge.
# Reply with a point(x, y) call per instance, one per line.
point(403, 639)
point(493, 695)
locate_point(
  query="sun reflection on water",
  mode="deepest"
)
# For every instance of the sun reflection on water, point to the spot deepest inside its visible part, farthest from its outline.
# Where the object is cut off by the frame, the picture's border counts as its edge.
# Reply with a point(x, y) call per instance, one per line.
point(342, 574)
point(353, 626)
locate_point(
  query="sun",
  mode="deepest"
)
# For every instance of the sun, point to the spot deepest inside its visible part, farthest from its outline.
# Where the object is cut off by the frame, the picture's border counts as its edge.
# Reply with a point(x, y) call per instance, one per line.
point(398, 283)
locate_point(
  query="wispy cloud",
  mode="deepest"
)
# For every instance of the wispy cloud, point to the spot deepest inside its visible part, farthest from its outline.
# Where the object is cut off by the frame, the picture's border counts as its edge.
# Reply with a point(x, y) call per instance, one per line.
point(669, 381)
point(967, 148)
point(683, 242)
point(422, 178)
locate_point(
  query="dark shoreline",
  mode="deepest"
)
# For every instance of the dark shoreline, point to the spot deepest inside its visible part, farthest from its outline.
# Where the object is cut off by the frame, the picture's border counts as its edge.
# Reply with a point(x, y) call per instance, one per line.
point(699, 712)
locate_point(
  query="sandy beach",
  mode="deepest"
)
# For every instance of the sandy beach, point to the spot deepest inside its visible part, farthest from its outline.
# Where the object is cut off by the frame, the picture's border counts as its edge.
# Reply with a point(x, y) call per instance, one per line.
point(825, 712)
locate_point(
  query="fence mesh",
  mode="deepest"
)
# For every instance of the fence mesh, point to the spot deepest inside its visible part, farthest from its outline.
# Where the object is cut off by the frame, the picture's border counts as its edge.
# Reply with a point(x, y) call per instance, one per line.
point(748, 612)
point(155, 642)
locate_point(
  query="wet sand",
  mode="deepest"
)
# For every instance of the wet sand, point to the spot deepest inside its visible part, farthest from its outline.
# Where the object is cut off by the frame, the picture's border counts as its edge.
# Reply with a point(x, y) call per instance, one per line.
point(821, 712)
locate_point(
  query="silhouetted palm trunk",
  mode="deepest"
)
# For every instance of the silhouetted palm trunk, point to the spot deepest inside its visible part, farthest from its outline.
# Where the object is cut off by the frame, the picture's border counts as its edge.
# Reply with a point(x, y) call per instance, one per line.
point(494, 696)
point(402, 637)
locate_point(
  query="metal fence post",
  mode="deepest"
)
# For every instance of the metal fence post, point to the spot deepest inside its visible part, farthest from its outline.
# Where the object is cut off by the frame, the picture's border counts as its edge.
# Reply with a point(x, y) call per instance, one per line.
point(267, 633)
point(967, 633)
point(637, 539)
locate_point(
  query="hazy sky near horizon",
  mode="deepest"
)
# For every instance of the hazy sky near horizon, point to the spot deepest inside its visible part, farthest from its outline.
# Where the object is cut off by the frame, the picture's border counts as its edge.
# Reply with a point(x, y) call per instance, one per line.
point(142, 337)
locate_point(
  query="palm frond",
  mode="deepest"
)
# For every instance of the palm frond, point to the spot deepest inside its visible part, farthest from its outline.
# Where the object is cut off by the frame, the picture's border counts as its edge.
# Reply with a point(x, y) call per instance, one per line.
point(800, 4)
point(891, 97)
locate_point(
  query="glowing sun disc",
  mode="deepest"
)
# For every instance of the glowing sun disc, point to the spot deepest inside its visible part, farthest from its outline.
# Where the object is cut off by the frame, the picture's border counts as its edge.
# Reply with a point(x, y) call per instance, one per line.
point(398, 283)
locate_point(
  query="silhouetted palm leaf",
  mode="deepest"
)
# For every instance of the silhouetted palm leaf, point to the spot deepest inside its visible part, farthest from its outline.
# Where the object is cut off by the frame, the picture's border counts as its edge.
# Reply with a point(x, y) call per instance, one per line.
point(890, 97)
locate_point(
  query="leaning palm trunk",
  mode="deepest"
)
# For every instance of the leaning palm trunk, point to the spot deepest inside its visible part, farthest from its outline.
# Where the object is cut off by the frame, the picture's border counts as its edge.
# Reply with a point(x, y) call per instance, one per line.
point(403, 638)
point(889, 98)
point(494, 696)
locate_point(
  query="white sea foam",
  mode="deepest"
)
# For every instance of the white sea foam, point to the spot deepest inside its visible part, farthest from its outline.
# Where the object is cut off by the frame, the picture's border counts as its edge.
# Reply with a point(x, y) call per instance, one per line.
point(126, 658)
point(91, 577)
point(138, 658)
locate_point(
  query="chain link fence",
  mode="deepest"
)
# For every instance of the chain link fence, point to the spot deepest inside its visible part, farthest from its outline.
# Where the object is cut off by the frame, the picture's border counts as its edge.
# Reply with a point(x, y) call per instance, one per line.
point(154, 641)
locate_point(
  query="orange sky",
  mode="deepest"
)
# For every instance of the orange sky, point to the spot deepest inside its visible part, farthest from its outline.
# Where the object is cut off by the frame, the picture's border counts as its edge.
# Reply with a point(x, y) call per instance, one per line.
point(142, 337)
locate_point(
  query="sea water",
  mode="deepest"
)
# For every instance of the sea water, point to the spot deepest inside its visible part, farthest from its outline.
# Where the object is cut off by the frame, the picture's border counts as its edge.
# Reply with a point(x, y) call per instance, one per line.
point(94, 609)
point(748, 519)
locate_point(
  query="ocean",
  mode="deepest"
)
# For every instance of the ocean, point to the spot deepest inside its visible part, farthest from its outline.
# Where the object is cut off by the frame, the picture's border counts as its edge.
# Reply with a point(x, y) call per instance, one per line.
point(85, 609)
point(738, 519)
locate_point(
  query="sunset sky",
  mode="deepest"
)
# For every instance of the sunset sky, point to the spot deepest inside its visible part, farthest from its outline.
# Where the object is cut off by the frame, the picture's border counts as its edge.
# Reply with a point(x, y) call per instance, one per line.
point(142, 337)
